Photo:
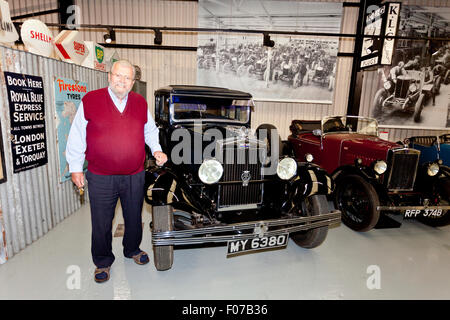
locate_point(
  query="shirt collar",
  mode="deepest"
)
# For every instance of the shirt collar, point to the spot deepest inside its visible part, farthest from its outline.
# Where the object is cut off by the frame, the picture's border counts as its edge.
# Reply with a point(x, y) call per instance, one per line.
point(115, 99)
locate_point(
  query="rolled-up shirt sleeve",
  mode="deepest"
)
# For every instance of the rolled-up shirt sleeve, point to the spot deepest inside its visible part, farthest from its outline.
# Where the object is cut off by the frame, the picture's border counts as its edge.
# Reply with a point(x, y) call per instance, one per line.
point(76, 142)
point(151, 134)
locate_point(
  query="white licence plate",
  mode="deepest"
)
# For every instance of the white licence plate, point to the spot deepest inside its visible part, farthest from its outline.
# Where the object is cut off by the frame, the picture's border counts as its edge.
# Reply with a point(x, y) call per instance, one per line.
point(255, 244)
point(425, 213)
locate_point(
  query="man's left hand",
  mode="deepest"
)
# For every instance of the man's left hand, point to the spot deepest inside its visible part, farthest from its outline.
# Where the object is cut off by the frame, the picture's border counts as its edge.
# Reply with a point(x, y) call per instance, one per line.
point(160, 157)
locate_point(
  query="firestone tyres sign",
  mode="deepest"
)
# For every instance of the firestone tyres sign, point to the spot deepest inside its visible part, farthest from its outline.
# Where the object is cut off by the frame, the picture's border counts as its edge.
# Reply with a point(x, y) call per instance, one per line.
point(68, 95)
point(27, 117)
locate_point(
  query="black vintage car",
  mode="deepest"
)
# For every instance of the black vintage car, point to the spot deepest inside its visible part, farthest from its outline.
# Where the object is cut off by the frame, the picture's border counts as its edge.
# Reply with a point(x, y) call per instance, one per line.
point(225, 184)
point(404, 95)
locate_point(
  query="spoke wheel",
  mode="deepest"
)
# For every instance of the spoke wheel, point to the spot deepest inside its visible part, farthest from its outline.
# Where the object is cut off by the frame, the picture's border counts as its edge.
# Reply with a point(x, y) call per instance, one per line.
point(358, 201)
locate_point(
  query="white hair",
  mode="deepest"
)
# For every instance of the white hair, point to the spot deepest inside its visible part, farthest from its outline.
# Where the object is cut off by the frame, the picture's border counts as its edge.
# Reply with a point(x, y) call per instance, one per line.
point(125, 63)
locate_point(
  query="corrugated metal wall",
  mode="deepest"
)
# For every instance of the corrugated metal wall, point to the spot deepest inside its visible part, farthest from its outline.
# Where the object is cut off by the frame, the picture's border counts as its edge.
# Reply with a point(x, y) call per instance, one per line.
point(162, 68)
point(159, 68)
point(34, 201)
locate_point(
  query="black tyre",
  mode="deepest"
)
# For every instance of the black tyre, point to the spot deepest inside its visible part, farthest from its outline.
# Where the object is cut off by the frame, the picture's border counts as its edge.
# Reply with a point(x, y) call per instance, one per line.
point(377, 106)
point(312, 206)
point(418, 108)
point(442, 199)
point(358, 201)
point(264, 132)
point(162, 220)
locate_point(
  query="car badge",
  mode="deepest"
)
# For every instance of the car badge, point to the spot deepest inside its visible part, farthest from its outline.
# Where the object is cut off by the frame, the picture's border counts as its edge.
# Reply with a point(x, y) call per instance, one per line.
point(245, 176)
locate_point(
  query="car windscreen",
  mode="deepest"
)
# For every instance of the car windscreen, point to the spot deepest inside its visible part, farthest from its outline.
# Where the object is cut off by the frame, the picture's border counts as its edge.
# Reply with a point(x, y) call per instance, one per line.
point(211, 108)
point(349, 124)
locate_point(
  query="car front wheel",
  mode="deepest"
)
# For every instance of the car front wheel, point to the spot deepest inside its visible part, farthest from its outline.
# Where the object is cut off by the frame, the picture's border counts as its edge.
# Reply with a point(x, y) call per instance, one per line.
point(418, 108)
point(162, 220)
point(358, 202)
point(312, 206)
point(442, 198)
point(377, 106)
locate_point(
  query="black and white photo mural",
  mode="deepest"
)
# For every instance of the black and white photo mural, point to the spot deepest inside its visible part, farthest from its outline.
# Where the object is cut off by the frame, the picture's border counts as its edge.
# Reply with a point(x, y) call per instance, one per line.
point(294, 68)
point(415, 90)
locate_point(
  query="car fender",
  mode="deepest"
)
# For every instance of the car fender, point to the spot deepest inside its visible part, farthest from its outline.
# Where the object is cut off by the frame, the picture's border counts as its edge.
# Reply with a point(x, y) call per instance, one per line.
point(365, 172)
point(164, 187)
point(161, 185)
point(445, 171)
point(423, 178)
point(312, 179)
point(428, 185)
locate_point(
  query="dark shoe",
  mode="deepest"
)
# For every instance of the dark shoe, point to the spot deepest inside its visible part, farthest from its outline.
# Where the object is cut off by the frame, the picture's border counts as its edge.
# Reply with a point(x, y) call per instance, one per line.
point(141, 258)
point(101, 274)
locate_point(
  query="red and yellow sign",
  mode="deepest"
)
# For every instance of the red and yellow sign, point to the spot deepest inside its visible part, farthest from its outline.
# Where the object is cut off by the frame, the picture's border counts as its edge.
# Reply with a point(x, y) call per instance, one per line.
point(70, 47)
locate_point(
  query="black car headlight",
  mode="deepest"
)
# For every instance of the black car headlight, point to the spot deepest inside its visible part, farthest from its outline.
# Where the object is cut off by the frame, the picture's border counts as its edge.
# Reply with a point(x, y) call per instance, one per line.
point(287, 168)
point(433, 169)
point(387, 85)
point(210, 171)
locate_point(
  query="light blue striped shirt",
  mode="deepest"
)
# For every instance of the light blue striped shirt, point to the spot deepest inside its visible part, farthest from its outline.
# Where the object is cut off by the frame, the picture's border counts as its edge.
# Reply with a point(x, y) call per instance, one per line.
point(76, 142)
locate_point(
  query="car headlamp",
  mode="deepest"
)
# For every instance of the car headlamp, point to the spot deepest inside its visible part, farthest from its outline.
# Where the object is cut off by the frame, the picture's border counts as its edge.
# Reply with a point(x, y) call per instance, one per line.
point(433, 169)
point(210, 171)
point(309, 157)
point(380, 167)
point(287, 168)
point(387, 85)
point(413, 87)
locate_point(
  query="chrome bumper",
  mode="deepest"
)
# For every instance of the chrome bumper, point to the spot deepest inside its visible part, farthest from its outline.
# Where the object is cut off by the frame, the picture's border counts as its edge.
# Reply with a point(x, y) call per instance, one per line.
point(259, 229)
point(400, 208)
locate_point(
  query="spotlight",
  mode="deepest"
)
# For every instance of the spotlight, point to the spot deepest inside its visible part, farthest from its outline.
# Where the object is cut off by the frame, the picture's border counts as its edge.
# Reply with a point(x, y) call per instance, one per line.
point(267, 42)
point(158, 36)
point(110, 36)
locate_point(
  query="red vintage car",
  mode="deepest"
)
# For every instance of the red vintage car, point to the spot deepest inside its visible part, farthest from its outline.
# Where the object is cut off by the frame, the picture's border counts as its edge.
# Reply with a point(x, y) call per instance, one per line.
point(375, 179)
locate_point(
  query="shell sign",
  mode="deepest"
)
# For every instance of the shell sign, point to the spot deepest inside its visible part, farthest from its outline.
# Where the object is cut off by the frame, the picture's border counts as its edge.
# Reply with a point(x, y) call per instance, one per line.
point(37, 38)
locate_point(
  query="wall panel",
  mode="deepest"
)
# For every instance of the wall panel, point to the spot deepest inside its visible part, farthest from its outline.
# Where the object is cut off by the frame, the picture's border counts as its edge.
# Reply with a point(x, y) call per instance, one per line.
point(33, 201)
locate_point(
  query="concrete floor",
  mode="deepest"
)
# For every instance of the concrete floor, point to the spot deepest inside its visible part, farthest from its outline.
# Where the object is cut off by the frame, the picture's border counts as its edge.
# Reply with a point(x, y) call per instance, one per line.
point(411, 262)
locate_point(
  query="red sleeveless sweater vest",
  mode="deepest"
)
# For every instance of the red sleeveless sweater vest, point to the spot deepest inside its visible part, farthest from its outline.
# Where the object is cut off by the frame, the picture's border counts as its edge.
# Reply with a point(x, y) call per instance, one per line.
point(115, 141)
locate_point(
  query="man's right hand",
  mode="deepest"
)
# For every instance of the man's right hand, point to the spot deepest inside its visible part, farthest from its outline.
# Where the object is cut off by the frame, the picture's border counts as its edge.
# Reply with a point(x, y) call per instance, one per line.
point(78, 179)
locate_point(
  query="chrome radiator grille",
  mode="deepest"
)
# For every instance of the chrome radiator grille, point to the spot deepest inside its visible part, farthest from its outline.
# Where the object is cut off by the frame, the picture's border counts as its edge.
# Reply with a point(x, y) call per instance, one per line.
point(236, 163)
point(403, 164)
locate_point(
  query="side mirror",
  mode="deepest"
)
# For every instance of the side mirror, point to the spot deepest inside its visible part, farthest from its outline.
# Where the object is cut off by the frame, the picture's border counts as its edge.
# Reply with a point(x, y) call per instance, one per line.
point(317, 132)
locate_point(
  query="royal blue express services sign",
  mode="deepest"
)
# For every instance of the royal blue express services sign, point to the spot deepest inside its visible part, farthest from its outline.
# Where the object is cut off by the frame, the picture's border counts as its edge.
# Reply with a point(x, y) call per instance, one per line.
point(27, 117)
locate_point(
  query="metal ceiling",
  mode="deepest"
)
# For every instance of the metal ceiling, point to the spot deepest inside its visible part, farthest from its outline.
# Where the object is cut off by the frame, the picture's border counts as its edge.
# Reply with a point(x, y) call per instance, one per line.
point(270, 15)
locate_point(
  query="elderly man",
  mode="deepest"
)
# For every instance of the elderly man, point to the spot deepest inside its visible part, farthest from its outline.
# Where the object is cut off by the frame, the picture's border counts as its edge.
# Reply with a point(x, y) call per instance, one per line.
point(110, 130)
